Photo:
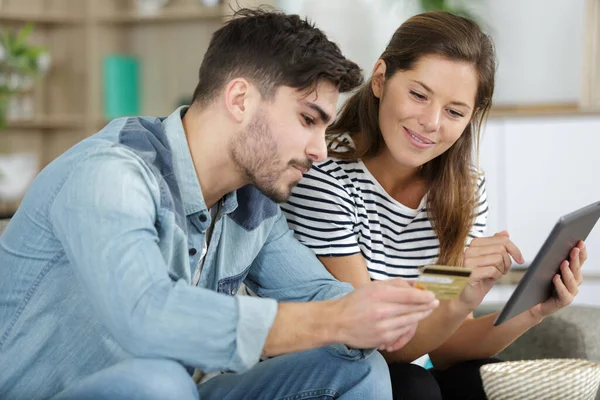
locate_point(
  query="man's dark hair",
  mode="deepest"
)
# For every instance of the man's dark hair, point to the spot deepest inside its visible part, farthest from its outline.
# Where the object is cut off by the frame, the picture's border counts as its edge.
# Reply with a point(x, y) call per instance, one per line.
point(272, 49)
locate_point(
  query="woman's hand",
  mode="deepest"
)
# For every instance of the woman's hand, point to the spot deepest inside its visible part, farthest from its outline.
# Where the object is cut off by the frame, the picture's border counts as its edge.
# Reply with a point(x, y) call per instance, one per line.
point(489, 258)
point(566, 284)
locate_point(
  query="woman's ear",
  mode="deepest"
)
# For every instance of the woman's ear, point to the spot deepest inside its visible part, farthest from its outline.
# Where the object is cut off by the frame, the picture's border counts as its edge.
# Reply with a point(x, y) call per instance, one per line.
point(378, 79)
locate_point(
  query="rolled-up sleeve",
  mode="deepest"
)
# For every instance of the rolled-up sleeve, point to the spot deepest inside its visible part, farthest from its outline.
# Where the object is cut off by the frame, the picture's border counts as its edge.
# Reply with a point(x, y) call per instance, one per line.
point(104, 216)
point(255, 320)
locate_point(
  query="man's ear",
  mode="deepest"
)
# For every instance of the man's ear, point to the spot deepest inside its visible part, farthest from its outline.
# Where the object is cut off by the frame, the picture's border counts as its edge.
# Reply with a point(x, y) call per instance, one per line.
point(237, 97)
point(378, 79)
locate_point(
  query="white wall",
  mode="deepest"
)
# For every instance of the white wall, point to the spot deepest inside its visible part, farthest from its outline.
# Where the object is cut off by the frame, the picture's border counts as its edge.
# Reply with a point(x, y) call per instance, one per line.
point(539, 42)
point(362, 28)
point(540, 49)
point(537, 170)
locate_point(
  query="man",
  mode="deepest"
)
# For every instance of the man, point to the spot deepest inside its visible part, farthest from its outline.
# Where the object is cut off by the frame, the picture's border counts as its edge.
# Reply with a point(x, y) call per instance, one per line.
point(119, 270)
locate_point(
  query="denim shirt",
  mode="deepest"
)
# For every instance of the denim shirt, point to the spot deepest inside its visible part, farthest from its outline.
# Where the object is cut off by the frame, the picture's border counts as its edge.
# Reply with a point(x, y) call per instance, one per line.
point(96, 265)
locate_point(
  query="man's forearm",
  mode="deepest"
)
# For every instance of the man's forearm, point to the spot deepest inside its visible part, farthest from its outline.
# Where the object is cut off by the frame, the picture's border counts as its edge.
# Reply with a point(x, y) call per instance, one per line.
point(301, 326)
point(479, 339)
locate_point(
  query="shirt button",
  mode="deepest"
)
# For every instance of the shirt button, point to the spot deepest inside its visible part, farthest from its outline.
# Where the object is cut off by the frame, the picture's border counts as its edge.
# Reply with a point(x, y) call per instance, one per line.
point(193, 251)
point(202, 218)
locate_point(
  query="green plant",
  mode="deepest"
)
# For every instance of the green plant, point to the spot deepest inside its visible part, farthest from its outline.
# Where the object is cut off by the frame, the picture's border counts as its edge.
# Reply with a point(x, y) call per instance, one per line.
point(454, 7)
point(20, 63)
point(19, 55)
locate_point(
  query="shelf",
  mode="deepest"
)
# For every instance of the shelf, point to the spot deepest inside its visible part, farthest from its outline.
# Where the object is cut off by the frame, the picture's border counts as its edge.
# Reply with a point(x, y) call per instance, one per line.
point(48, 122)
point(515, 275)
point(542, 110)
point(7, 16)
point(7, 209)
point(175, 14)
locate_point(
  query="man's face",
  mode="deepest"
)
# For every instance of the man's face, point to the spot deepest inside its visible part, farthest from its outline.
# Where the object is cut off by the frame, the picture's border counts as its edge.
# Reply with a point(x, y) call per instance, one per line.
point(284, 138)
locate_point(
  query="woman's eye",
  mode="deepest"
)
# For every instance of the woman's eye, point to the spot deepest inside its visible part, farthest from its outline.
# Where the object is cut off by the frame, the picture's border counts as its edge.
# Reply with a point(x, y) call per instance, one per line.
point(309, 120)
point(455, 114)
point(418, 96)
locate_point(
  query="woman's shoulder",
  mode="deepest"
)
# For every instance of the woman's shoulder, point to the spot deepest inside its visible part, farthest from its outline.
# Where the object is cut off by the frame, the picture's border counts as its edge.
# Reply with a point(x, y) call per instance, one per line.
point(479, 175)
point(480, 179)
point(337, 168)
point(333, 177)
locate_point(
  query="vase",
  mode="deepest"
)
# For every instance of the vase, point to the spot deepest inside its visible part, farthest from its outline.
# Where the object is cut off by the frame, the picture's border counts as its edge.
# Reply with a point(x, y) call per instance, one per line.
point(17, 170)
point(210, 3)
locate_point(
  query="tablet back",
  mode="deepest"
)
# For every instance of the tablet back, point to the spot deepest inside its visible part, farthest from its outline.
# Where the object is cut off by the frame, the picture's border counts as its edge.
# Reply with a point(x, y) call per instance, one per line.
point(536, 285)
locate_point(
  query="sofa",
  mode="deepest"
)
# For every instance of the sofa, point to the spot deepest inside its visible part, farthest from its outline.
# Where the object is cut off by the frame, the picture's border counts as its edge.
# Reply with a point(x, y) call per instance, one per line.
point(573, 332)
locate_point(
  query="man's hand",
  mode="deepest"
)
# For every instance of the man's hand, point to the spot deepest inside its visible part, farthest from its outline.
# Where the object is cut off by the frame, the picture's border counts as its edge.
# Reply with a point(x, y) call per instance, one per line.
point(382, 314)
point(489, 258)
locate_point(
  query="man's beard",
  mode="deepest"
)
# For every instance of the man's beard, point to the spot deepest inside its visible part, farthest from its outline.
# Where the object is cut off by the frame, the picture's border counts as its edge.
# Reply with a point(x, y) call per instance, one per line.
point(255, 152)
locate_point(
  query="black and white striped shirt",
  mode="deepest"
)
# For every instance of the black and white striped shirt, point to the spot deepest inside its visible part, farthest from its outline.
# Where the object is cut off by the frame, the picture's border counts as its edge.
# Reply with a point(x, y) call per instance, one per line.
point(340, 209)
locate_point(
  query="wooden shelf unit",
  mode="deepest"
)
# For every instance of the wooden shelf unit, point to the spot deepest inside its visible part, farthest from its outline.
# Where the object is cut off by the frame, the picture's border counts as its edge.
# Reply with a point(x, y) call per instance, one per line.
point(52, 18)
point(48, 122)
point(542, 110)
point(174, 14)
point(8, 208)
point(79, 34)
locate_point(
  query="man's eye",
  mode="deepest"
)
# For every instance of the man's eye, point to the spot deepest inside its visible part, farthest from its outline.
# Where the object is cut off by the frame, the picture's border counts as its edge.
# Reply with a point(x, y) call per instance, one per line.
point(309, 120)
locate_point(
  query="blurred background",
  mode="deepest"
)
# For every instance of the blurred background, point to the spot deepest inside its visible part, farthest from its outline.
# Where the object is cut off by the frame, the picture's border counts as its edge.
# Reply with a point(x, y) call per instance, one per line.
point(69, 66)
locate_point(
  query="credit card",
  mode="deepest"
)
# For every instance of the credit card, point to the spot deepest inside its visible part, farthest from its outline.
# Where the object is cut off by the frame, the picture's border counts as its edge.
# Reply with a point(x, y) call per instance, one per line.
point(445, 282)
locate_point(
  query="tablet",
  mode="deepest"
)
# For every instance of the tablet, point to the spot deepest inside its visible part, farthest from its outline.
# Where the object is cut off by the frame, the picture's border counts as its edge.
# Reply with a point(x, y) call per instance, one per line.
point(536, 285)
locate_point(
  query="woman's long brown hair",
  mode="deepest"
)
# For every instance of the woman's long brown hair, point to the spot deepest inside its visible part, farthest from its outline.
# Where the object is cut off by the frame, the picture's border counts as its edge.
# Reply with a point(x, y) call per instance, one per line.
point(452, 197)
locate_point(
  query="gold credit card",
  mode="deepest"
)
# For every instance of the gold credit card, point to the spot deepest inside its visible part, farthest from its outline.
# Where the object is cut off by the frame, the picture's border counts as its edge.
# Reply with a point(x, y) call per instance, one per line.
point(445, 282)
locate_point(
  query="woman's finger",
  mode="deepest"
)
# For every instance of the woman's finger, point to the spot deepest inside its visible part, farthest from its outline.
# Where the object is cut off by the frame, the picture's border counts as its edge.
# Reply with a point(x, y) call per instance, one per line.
point(495, 260)
point(479, 251)
point(576, 265)
point(568, 278)
point(489, 240)
point(511, 247)
point(563, 297)
point(484, 273)
point(583, 255)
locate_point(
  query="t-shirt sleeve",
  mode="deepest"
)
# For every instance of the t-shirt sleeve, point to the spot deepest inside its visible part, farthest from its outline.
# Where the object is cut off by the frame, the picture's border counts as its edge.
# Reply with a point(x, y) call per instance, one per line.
point(481, 212)
point(321, 211)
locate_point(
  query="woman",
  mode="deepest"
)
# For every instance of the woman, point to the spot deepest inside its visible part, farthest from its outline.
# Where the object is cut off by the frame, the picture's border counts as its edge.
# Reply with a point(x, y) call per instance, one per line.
point(400, 191)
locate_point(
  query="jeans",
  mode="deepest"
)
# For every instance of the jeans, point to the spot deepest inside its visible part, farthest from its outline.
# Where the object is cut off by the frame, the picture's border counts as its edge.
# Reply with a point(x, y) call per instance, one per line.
point(314, 374)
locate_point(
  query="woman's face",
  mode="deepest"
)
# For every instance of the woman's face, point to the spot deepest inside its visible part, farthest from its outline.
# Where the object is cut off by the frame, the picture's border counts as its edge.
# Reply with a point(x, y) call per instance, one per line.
point(425, 110)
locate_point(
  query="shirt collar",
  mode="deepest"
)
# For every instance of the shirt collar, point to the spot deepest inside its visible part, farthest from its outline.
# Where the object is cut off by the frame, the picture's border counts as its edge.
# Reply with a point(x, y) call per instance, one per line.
point(185, 173)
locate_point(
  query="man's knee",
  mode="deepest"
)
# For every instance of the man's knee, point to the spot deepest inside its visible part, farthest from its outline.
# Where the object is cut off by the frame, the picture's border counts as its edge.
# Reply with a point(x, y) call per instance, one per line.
point(379, 375)
point(368, 375)
point(146, 379)
point(165, 379)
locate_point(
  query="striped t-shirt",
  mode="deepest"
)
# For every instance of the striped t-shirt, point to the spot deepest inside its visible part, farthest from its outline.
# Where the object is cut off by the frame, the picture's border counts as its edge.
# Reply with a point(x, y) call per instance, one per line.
point(340, 209)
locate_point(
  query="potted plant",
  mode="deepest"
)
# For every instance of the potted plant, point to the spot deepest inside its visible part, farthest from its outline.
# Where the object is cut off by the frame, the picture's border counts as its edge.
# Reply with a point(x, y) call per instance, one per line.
point(454, 7)
point(20, 64)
